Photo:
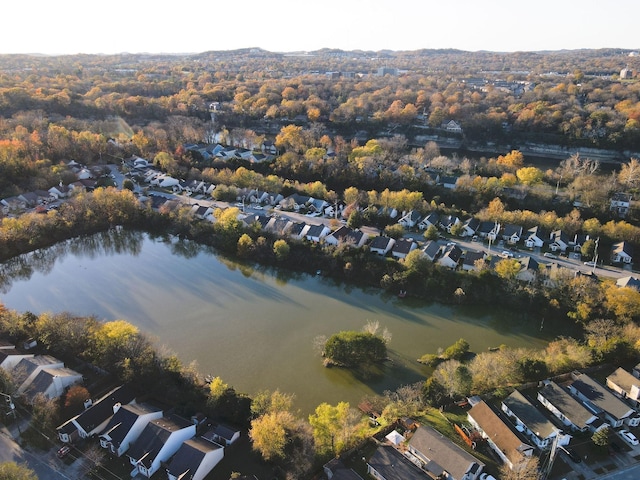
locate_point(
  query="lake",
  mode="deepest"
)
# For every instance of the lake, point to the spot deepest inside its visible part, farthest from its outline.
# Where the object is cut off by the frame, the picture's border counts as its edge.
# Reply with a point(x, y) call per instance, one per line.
point(252, 326)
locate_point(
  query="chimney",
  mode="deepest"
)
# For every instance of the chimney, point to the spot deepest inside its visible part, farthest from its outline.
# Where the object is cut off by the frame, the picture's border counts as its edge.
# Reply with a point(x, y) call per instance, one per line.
point(116, 407)
point(88, 403)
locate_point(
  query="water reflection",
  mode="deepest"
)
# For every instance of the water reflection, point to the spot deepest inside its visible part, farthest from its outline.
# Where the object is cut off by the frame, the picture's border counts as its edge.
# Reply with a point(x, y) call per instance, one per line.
point(250, 324)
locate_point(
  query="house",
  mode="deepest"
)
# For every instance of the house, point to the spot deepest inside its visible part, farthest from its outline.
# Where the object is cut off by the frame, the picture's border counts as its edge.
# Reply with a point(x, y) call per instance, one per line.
point(194, 460)
point(530, 269)
point(448, 221)
point(532, 422)
point(431, 250)
point(471, 259)
point(223, 435)
point(431, 220)
point(60, 191)
point(336, 470)
point(381, 245)
point(601, 401)
point(567, 409)
point(51, 382)
point(622, 253)
point(13, 204)
point(535, 237)
point(625, 385)
point(10, 357)
point(511, 233)
point(201, 212)
point(620, 204)
point(28, 368)
point(298, 230)
point(158, 442)
point(295, 202)
point(450, 257)
point(387, 463)
point(448, 182)
point(508, 444)
point(442, 458)
point(279, 226)
point(630, 282)
point(315, 233)
point(346, 236)
point(469, 227)
point(410, 219)
point(87, 185)
point(269, 148)
point(488, 230)
point(452, 126)
point(95, 417)
point(558, 240)
point(126, 425)
point(402, 247)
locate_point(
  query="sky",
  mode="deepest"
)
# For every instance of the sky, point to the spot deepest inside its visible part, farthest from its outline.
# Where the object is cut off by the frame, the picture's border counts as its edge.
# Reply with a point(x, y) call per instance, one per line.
point(194, 26)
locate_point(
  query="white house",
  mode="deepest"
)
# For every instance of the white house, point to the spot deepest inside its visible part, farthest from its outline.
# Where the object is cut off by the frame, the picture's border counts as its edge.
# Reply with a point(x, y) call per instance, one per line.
point(568, 409)
point(508, 444)
point(52, 383)
point(410, 219)
point(620, 204)
point(347, 236)
point(535, 237)
point(450, 257)
point(27, 369)
point(126, 425)
point(194, 459)
point(315, 233)
point(600, 400)
point(157, 443)
point(622, 253)
point(381, 245)
point(625, 385)
point(402, 247)
point(95, 416)
point(431, 250)
point(222, 434)
point(532, 422)
point(433, 219)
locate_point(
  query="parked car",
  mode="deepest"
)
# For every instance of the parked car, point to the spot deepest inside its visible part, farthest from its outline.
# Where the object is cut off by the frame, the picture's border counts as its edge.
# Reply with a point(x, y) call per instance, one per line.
point(628, 437)
point(550, 255)
point(573, 455)
point(486, 476)
point(590, 264)
point(63, 451)
point(506, 254)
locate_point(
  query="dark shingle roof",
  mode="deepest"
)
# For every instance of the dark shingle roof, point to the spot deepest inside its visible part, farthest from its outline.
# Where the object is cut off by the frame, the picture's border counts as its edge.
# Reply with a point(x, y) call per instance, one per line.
point(103, 408)
point(600, 396)
point(153, 437)
point(123, 420)
point(189, 456)
point(391, 464)
point(566, 404)
point(529, 415)
point(441, 451)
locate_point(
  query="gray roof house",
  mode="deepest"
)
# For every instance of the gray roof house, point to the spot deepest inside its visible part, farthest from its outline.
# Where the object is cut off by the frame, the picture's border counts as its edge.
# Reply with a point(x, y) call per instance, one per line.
point(622, 253)
point(387, 463)
point(625, 385)
point(601, 401)
point(194, 459)
point(535, 237)
point(450, 257)
point(347, 236)
point(568, 409)
point(381, 245)
point(126, 425)
point(222, 434)
point(52, 383)
point(431, 250)
point(95, 417)
point(507, 443)
point(157, 443)
point(631, 282)
point(469, 262)
point(315, 233)
point(403, 247)
point(26, 370)
point(532, 422)
point(441, 457)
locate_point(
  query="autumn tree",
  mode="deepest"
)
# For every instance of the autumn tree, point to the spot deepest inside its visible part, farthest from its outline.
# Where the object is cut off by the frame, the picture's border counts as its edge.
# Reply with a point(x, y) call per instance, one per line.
point(508, 268)
point(629, 175)
point(15, 471)
point(281, 249)
point(333, 427)
point(525, 469)
point(511, 161)
point(75, 398)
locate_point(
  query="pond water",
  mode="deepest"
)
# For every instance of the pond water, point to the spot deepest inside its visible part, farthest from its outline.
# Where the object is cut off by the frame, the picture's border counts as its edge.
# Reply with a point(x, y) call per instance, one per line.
point(254, 327)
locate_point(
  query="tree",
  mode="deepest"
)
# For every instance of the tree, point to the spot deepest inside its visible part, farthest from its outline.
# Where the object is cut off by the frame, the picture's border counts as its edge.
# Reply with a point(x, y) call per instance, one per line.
point(629, 175)
point(525, 469)
point(431, 233)
point(394, 231)
point(454, 377)
point(269, 435)
point(75, 398)
point(245, 245)
point(350, 348)
point(333, 427)
point(588, 249)
point(281, 249)
point(529, 175)
point(456, 229)
point(15, 471)
point(217, 388)
point(601, 437)
point(508, 268)
point(512, 160)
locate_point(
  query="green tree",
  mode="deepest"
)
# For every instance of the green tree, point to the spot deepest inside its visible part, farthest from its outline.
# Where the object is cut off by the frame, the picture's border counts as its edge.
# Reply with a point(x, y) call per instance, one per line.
point(281, 249)
point(350, 348)
point(245, 245)
point(529, 175)
point(217, 389)
point(269, 434)
point(128, 184)
point(601, 437)
point(508, 268)
point(333, 427)
point(457, 350)
point(588, 249)
point(431, 233)
point(394, 231)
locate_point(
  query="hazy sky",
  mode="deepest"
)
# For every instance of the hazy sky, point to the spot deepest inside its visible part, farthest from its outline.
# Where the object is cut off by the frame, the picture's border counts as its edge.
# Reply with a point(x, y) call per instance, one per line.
point(86, 26)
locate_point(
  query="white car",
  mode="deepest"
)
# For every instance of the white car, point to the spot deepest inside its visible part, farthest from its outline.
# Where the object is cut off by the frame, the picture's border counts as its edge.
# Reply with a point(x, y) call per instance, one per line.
point(628, 437)
point(550, 255)
point(486, 476)
point(258, 207)
point(590, 264)
point(506, 254)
